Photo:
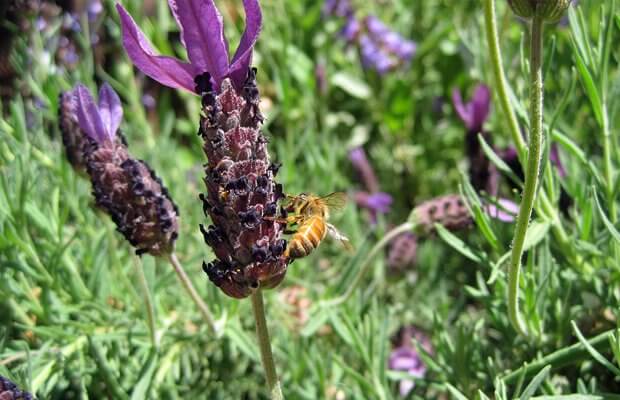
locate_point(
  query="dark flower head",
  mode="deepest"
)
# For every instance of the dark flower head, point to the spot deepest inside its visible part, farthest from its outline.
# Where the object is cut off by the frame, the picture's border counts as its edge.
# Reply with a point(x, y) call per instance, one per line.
point(242, 194)
point(550, 10)
point(475, 112)
point(452, 212)
point(126, 188)
point(10, 391)
point(402, 252)
point(202, 34)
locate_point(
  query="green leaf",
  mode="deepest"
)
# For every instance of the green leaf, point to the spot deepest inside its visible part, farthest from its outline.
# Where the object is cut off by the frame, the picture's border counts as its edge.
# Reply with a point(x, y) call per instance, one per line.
point(457, 244)
point(535, 233)
point(610, 227)
point(593, 352)
point(351, 85)
point(535, 383)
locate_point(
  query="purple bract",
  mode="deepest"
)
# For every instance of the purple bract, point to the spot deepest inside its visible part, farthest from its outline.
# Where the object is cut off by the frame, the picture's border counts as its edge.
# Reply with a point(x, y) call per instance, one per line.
point(475, 112)
point(202, 34)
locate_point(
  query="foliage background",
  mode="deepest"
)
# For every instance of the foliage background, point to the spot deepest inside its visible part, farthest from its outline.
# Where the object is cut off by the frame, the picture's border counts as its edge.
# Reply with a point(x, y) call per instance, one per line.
point(72, 318)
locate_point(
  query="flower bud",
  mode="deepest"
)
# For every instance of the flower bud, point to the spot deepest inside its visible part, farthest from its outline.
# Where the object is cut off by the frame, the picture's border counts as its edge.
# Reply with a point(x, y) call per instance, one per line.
point(449, 211)
point(549, 10)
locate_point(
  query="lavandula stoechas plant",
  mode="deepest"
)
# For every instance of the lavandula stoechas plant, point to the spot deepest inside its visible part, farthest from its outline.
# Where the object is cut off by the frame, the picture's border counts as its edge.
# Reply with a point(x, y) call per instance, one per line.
point(381, 48)
point(241, 190)
point(126, 188)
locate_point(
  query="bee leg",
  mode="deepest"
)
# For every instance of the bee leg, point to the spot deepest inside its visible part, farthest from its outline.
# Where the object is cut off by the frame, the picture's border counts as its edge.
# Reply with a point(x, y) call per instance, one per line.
point(289, 231)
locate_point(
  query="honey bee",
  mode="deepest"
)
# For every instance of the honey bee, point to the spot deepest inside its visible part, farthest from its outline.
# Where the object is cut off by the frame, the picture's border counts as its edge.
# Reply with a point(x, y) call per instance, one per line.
point(310, 214)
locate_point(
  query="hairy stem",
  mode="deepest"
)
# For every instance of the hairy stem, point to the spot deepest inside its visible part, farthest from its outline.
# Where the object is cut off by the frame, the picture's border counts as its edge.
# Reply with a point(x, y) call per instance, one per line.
point(265, 345)
point(545, 207)
point(531, 173)
point(148, 303)
point(193, 294)
point(406, 227)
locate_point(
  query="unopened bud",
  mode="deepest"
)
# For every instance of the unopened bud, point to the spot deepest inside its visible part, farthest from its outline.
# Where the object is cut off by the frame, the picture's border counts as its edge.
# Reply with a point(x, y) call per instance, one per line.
point(549, 10)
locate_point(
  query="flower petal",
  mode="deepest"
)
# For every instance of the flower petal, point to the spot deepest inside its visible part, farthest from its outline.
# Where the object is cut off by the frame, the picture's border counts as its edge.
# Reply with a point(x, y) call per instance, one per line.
point(89, 118)
point(166, 70)
point(480, 105)
point(110, 109)
point(173, 7)
point(243, 56)
point(202, 30)
point(461, 109)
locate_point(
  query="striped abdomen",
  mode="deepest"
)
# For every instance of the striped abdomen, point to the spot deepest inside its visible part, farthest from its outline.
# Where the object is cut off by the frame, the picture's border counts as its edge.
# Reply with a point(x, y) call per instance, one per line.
point(307, 238)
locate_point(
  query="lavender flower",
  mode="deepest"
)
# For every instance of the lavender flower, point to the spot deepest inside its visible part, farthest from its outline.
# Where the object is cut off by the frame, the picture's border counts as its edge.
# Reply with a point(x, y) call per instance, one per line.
point(390, 41)
point(451, 212)
point(375, 203)
point(339, 8)
point(125, 188)
point(505, 210)
point(10, 391)
point(482, 172)
point(404, 356)
point(364, 170)
point(475, 112)
point(381, 48)
point(202, 34)
point(241, 190)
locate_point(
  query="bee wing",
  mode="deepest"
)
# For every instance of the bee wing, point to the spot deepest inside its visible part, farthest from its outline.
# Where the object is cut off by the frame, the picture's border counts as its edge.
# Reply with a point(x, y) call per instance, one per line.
point(337, 235)
point(335, 201)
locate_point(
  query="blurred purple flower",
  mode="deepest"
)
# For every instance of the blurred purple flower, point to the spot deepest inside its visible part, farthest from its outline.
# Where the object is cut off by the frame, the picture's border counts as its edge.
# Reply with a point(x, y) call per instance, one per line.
point(375, 203)
point(202, 34)
point(554, 156)
point(94, 9)
point(475, 112)
point(364, 170)
point(374, 57)
point(338, 8)
point(402, 252)
point(389, 40)
point(405, 357)
point(320, 77)
point(351, 30)
point(482, 173)
point(505, 210)
point(148, 101)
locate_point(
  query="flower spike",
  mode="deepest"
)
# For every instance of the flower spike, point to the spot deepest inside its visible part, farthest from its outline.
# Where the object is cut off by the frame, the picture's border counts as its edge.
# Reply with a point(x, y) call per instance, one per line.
point(202, 34)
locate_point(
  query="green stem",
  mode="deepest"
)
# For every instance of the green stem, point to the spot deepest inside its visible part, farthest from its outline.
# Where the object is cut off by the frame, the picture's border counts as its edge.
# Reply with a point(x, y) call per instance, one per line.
point(531, 173)
point(500, 77)
point(265, 345)
point(193, 294)
point(148, 303)
point(406, 227)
